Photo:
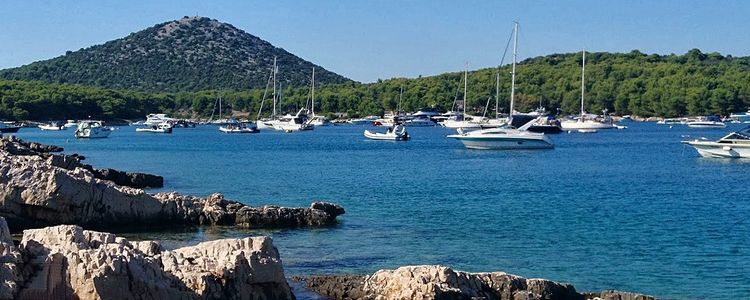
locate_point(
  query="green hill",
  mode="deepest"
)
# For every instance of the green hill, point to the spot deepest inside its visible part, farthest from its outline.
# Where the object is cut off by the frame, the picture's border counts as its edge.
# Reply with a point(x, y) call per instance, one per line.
point(190, 54)
point(634, 83)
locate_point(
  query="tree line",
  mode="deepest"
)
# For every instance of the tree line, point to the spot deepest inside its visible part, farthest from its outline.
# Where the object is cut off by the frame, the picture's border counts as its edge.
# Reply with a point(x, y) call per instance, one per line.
point(633, 83)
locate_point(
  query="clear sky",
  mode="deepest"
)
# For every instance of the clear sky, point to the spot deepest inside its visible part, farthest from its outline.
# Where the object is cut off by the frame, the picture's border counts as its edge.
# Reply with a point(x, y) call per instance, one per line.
point(368, 40)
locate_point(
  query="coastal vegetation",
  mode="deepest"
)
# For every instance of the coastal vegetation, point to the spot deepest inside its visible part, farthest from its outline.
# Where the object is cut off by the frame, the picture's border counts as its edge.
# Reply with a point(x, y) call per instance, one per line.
point(634, 83)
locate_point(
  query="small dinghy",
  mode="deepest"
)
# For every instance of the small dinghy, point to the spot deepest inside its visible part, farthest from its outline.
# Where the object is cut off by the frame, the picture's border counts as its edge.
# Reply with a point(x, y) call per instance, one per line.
point(395, 133)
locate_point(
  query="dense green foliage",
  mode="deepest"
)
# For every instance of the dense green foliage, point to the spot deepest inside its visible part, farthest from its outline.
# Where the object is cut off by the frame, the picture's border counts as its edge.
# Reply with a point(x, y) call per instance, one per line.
point(190, 54)
point(632, 83)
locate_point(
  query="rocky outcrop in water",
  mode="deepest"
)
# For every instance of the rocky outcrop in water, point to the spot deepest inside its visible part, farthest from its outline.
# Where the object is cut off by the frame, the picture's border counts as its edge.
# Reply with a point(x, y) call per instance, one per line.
point(67, 262)
point(14, 146)
point(438, 282)
point(43, 190)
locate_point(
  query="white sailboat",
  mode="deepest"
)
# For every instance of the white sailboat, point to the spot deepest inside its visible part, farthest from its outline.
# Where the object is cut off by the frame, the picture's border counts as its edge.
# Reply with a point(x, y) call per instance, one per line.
point(582, 123)
point(506, 138)
point(315, 120)
point(462, 120)
point(269, 123)
point(301, 120)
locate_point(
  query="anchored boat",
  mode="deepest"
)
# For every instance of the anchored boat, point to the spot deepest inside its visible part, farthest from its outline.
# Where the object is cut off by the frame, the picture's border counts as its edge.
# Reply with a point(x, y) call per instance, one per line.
point(92, 130)
point(395, 133)
point(733, 145)
point(157, 128)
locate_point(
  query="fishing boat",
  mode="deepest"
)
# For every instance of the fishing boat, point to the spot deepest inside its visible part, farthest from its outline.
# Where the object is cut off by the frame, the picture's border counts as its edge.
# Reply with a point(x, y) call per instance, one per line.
point(52, 126)
point(733, 145)
point(707, 122)
point(243, 127)
point(164, 127)
point(92, 130)
point(582, 122)
point(506, 138)
point(395, 133)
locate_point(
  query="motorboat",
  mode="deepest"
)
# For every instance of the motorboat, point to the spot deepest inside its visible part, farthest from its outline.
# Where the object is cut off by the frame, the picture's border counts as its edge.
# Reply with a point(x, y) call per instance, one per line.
point(92, 129)
point(504, 139)
point(707, 122)
point(52, 126)
point(164, 127)
point(298, 122)
point(156, 119)
point(733, 145)
point(363, 121)
point(319, 121)
point(582, 122)
point(243, 127)
point(741, 116)
point(419, 122)
point(9, 128)
point(395, 133)
point(71, 124)
point(670, 121)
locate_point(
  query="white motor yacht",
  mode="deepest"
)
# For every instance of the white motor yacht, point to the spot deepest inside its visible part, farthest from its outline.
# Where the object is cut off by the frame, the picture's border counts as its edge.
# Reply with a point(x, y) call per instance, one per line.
point(504, 138)
point(707, 122)
point(92, 130)
point(363, 121)
point(298, 122)
point(164, 127)
point(733, 145)
point(156, 119)
point(419, 122)
point(71, 124)
point(395, 133)
point(52, 126)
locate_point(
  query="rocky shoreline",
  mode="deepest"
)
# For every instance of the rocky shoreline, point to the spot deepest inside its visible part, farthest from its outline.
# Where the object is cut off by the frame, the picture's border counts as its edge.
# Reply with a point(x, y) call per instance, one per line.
point(38, 188)
point(440, 282)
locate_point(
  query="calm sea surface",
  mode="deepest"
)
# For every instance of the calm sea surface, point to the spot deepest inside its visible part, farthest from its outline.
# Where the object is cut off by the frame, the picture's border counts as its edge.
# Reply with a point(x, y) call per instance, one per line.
point(625, 209)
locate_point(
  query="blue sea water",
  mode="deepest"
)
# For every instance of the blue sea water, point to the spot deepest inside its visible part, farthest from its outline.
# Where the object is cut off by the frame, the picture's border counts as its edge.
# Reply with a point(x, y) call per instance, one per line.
point(625, 209)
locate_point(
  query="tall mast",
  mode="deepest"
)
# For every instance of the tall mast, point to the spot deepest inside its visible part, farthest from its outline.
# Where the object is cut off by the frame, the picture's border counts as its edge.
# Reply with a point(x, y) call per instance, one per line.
point(400, 99)
point(497, 96)
point(219, 106)
point(583, 77)
point(466, 79)
point(312, 97)
point(275, 70)
point(513, 71)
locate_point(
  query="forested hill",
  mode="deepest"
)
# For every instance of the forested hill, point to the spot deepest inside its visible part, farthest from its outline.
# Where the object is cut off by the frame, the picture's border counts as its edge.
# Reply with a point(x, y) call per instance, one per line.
point(634, 83)
point(190, 54)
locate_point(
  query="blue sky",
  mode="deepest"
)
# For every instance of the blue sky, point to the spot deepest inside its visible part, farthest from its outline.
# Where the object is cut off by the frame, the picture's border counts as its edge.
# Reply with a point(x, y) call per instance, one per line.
point(368, 40)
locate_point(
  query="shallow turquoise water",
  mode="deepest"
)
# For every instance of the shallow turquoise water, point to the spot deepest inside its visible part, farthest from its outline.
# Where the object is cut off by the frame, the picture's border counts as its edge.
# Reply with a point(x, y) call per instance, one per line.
point(625, 209)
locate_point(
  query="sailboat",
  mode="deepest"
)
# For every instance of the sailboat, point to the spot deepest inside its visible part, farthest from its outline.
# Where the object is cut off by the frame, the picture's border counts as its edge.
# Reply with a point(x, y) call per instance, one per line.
point(462, 120)
point(315, 120)
point(301, 120)
point(268, 123)
point(582, 123)
point(220, 120)
point(506, 138)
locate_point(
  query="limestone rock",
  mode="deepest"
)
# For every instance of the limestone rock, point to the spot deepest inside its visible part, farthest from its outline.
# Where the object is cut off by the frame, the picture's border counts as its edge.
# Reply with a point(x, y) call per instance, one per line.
point(67, 262)
point(38, 190)
point(11, 262)
point(439, 282)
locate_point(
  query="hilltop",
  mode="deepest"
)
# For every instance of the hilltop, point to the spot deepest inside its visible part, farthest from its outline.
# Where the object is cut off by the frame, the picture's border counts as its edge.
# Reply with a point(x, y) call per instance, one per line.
point(189, 54)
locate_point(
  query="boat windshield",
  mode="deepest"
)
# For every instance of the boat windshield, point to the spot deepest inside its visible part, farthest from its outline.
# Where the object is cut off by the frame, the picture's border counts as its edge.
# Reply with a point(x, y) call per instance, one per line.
point(743, 134)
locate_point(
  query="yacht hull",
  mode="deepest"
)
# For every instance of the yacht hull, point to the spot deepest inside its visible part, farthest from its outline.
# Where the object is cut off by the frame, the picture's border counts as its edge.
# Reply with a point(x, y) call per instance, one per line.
point(574, 125)
point(707, 124)
point(720, 150)
point(495, 141)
